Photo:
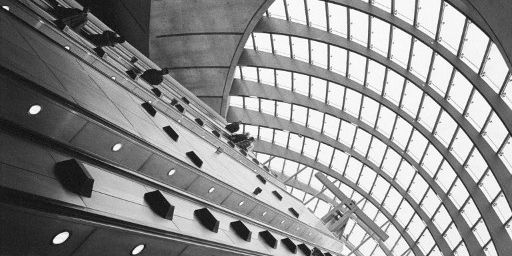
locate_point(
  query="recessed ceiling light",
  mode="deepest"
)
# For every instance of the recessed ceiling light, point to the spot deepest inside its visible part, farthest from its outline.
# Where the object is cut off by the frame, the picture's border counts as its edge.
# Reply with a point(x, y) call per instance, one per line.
point(66, 47)
point(117, 147)
point(34, 109)
point(113, 78)
point(138, 249)
point(171, 172)
point(264, 213)
point(61, 237)
point(211, 190)
point(241, 203)
point(6, 7)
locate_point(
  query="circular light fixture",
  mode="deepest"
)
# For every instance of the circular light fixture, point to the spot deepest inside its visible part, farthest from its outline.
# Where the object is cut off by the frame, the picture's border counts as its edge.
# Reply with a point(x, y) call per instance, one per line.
point(61, 237)
point(241, 203)
point(138, 249)
point(34, 109)
point(171, 172)
point(211, 190)
point(117, 147)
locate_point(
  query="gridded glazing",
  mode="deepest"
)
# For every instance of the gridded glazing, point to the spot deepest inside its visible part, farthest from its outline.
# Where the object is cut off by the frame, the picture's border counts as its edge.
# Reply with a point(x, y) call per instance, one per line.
point(417, 136)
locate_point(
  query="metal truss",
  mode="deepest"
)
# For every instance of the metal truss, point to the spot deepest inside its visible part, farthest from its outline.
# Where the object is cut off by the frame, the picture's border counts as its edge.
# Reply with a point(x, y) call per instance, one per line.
point(275, 150)
point(243, 88)
point(498, 235)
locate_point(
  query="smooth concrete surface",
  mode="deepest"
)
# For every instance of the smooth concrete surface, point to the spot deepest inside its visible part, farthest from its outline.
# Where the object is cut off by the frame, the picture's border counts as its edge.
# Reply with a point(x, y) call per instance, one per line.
point(201, 42)
point(125, 111)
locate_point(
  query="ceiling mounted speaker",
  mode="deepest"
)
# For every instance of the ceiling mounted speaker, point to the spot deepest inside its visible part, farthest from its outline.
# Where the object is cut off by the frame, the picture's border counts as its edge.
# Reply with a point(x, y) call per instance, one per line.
point(241, 230)
point(277, 195)
point(305, 249)
point(216, 133)
point(257, 191)
point(180, 108)
point(159, 204)
point(185, 100)
point(199, 121)
point(149, 108)
point(157, 92)
point(292, 247)
point(256, 161)
point(261, 178)
point(74, 177)
point(195, 159)
point(317, 252)
point(294, 212)
point(269, 239)
point(171, 132)
point(207, 219)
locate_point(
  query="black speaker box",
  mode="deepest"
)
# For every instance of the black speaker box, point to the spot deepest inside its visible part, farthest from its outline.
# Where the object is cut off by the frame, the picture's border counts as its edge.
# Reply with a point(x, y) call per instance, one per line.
point(257, 191)
point(185, 100)
point(256, 161)
point(269, 239)
point(171, 132)
point(195, 159)
point(305, 249)
point(241, 230)
point(199, 121)
point(207, 219)
point(157, 92)
point(159, 204)
point(277, 195)
point(149, 108)
point(216, 133)
point(180, 108)
point(317, 252)
point(74, 177)
point(294, 212)
point(261, 178)
point(292, 247)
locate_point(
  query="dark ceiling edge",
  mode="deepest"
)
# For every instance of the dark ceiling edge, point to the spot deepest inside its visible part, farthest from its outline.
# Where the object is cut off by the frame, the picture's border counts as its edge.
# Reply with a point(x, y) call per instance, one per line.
point(234, 61)
point(483, 23)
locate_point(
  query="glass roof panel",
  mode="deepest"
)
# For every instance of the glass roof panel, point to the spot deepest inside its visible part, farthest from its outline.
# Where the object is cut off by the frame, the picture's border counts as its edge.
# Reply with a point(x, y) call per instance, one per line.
point(414, 56)
point(452, 27)
point(428, 14)
point(338, 19)
point(380, 36)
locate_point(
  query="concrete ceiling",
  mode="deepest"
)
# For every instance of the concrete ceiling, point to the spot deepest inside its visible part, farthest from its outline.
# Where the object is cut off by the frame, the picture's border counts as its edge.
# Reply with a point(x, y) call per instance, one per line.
point(201, 41)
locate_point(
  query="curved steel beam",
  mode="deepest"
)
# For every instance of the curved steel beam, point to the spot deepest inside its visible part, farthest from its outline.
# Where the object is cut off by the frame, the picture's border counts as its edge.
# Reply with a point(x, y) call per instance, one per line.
point(494, 100)
point(259, 119)
point(500, 237)
point(238, 52)
point(248, 88)
point(294, 183)
point(499, 170)
point(272, 149)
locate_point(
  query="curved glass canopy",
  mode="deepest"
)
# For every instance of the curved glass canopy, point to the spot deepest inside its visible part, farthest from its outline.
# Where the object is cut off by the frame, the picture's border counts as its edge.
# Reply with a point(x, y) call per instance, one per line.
point(407, 99)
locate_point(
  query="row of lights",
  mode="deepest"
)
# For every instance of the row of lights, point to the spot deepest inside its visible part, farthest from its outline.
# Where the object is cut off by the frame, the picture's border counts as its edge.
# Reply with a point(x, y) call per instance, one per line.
point(63, 236)
point(35, 109)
